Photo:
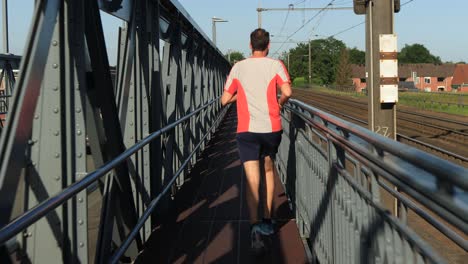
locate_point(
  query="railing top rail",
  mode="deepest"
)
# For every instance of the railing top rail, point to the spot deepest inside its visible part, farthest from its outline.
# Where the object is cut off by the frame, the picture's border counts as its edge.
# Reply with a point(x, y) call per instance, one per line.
point(40, 210)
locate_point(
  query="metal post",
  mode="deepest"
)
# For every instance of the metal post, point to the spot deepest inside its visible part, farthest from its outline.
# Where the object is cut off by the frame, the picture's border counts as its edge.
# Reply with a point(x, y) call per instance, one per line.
point(310, 64)
point(213, 31)
point(382, 116)
point(259, 12)
point(5, 27)
point(379, 21)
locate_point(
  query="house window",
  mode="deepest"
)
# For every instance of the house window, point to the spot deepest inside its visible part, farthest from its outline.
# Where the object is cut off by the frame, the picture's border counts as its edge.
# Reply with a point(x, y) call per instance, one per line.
point(441, 88)
point(363, 80)
point(440, 79)
point(427, 79)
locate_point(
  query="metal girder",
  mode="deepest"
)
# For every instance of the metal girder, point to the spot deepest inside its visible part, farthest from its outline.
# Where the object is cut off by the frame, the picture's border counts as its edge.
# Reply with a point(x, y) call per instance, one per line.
point(15, 135)
point(120, 187)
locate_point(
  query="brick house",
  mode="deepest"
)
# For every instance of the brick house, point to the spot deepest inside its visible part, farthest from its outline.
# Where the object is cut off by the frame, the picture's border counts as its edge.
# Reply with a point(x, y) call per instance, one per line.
point(425, 76)
point(358, 73)
point(460, 78)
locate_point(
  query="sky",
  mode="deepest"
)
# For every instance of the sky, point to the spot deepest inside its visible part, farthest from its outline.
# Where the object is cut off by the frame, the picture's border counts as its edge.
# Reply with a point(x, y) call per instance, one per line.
point(441, 26)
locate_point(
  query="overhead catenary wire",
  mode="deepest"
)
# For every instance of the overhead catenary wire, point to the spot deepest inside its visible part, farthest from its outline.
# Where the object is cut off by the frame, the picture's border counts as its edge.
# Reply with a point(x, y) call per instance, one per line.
point(349, 28)
point(303, 25)
point(284, 23)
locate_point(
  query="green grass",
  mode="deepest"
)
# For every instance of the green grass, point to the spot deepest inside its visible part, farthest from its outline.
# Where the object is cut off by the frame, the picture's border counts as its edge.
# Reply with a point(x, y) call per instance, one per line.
point(452, 103)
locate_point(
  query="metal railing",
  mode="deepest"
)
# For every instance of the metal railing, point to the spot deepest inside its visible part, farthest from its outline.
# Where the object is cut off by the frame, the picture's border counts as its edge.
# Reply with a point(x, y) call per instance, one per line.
point(353, 190)
point(47, 206)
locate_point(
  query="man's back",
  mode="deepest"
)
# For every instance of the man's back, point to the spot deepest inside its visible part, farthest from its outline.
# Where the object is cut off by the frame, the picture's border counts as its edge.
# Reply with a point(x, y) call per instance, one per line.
point(255, 80)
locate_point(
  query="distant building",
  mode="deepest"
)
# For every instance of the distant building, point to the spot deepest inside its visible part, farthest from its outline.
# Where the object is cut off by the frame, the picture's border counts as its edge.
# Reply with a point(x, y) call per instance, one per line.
point(358, 73)
point(460, 78)
point(425, 77)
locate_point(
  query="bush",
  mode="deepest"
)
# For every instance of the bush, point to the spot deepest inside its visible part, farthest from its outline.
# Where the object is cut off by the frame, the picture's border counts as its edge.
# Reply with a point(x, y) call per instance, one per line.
point(300, 82)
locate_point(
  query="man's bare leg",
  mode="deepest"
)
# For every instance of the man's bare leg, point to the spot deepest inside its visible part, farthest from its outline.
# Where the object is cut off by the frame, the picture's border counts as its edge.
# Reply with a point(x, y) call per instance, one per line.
point(269, 185)
point(252, 172)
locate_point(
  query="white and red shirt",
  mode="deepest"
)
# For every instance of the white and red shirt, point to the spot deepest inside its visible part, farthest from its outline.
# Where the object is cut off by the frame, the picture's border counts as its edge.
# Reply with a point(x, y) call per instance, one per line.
point(256, 80)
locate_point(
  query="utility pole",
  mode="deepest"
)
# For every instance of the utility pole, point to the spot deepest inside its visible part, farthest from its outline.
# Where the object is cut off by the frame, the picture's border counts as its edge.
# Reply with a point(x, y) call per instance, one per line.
point(381, 64)
point(310, 63)
point(381, 73)
point(6, 48)
point(215, 20)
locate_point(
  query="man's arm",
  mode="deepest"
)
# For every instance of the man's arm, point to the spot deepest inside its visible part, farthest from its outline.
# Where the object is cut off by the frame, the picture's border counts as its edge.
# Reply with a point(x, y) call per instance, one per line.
point(286, 93)
point(228, 98)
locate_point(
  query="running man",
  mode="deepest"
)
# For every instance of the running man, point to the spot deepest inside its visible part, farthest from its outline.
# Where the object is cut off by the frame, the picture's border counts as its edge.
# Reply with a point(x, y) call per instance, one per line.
point(254, 83)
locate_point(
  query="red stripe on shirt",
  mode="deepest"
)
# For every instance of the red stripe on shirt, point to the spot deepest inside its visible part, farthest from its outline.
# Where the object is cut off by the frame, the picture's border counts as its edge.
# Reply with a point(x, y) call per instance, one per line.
point(273, 107)
point(243, 115)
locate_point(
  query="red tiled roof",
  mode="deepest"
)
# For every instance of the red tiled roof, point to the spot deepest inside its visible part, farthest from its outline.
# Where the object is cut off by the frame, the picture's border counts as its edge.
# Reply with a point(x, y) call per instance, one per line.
point(426, 70)
point(405, 70)
point(460, 75)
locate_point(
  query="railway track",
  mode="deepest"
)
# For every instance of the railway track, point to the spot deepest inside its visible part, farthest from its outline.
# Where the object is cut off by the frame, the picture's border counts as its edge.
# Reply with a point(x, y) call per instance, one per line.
point(446, 138)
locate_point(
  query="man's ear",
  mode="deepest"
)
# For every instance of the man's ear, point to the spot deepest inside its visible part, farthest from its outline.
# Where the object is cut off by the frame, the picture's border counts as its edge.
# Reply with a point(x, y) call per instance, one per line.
point(250, 45)
point(269, 45)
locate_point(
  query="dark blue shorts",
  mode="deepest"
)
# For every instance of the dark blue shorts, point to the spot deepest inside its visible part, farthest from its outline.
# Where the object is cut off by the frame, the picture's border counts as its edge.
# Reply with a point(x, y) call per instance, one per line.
point(253, 146)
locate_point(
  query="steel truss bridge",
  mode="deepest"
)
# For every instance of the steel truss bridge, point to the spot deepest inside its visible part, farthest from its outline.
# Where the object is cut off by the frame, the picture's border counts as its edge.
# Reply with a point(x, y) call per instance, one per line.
point(94, 159)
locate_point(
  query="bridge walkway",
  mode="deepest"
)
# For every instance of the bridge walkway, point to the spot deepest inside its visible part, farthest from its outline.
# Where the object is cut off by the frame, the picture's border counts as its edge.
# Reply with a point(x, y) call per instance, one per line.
point(209, 222)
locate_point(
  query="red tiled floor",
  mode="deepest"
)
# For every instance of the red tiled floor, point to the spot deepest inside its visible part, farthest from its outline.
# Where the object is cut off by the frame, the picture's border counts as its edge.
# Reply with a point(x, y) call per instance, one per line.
point(210, 220)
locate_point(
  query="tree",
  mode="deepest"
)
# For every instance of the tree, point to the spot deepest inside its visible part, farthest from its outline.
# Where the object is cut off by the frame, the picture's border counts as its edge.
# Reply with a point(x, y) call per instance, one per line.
point(325, 56)
point(343, 70)
point(357, 56)
point(417, 53)
point(235, 56)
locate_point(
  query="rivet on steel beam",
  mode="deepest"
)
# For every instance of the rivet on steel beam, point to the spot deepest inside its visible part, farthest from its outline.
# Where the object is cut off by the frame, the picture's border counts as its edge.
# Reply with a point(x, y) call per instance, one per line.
point(131, 97)
point(57, 178)
point(131, 137)
point(56, 133)
point(54, 43)
point(55, 65)
point(79, 155)
point(80, 199)
point(30, 142)
point(145, 123)
point(80, 222)
point(55, 88)
point(131, 123)
point(131, 110)
point(78, 132)
point(36, 117)
point(29, 234)
point(57, 155)
point(78, 110)
point(56, 110)
point(81, 244)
